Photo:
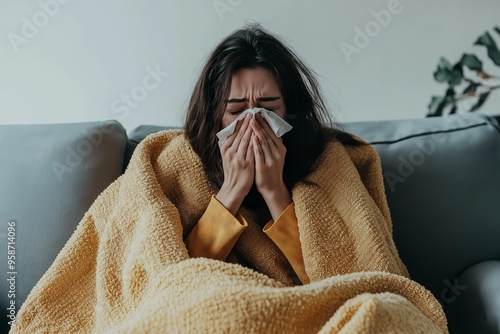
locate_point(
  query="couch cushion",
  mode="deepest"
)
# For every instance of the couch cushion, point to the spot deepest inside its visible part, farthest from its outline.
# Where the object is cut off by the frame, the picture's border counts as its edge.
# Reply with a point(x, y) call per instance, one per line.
point(474, 301)
point(442, 180)
point(50, 175)
point(142, 131)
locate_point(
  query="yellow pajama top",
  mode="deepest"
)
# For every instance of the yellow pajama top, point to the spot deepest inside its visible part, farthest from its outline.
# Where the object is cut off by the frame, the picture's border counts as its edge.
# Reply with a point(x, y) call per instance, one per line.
point(218, 230)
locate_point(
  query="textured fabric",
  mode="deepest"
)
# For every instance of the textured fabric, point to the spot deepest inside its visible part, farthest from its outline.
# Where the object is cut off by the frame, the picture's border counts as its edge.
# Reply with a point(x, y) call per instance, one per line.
point(126, 267)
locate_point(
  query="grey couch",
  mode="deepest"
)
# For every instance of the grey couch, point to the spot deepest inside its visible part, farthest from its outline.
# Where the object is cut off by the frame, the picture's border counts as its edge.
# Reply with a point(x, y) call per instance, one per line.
point(442, 179)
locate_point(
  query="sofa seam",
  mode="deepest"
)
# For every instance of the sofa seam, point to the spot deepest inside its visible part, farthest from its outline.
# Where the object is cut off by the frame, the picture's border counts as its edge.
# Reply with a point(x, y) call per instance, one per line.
point(428, 133)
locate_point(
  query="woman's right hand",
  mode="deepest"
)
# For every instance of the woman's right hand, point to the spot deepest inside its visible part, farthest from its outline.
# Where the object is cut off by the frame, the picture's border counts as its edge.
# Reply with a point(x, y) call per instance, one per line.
point(238, 163)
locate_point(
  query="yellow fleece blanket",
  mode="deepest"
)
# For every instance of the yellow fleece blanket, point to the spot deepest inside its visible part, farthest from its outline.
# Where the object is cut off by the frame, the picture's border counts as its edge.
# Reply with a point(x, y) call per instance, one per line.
point(126, 269)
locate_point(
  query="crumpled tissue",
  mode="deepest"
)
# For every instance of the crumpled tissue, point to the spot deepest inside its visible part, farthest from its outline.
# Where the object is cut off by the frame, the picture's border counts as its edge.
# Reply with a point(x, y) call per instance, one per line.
point(277, 124)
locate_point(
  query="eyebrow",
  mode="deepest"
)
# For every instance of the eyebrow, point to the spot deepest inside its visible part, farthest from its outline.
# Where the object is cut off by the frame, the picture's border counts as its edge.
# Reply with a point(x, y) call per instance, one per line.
point(260, 99)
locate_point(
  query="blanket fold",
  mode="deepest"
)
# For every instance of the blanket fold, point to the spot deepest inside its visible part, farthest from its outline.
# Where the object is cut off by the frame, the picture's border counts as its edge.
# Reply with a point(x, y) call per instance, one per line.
point(127, 269)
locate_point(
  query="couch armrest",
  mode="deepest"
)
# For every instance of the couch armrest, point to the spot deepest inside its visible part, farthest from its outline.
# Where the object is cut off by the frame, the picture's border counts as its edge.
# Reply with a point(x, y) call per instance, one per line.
point(477, 308)
point(50, 175)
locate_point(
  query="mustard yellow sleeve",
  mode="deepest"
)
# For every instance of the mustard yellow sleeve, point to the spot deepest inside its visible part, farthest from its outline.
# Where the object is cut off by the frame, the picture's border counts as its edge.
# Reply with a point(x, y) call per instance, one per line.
point(215, 233)
point(284, 232)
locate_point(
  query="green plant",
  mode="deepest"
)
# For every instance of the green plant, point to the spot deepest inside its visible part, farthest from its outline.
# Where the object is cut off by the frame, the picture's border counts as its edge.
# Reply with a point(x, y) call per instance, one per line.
point(476, 89)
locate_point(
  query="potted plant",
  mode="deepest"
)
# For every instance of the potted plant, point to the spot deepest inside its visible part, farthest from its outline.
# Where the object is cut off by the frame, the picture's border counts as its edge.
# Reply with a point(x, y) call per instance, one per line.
point(469, 85)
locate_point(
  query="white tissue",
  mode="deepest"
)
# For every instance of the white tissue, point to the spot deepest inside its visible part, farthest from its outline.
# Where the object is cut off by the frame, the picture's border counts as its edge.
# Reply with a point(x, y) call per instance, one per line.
point(277, 124)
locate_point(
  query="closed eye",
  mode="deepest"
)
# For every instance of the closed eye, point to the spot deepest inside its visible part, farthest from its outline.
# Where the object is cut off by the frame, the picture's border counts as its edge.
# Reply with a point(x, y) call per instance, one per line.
point(237, 112)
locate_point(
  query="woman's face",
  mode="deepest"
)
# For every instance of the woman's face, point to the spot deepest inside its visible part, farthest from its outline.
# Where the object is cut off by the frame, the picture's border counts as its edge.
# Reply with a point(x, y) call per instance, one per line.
point(253, 88)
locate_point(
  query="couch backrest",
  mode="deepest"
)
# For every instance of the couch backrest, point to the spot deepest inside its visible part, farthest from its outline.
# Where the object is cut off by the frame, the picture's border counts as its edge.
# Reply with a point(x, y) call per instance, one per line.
point(442, 180)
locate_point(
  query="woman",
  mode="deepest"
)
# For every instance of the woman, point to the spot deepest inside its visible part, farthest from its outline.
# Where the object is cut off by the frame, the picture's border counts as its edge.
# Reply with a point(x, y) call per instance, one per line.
point(255, 168)
point(156, 251)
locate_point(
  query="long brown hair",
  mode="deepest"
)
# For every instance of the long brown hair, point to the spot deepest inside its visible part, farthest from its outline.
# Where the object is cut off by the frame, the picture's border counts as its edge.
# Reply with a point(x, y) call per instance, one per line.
point(306, 111)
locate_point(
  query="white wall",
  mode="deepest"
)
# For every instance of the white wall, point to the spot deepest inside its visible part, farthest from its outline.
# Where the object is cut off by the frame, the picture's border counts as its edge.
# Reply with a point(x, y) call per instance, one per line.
point(82, 59)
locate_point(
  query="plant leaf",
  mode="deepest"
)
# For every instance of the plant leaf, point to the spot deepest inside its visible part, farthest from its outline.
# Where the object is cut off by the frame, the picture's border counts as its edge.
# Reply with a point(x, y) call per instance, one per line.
point(444, 64)
point(453, 109)
point(442, 73)
point(497, 29)
point(434, 105)
point(455, 78)
point(456, 75)
point(446, 73)
point(493, 52)
point(486, 40)
point(480, 102)
point(472, 62)
point(450, 93)
point(471, 88)
point(437, 105)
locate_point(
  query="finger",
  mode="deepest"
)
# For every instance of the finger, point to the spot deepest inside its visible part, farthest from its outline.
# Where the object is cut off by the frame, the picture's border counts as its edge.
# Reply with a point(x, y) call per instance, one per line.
point(250, 152)
point(245, 141)
point(230, 139)
point(241, 132)
point(263, 123)
point(267, 130)
point(263, 141)
point(258, 154)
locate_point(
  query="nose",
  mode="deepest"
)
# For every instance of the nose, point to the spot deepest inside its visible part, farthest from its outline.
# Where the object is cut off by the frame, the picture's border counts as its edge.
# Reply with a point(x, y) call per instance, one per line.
point(252, 103)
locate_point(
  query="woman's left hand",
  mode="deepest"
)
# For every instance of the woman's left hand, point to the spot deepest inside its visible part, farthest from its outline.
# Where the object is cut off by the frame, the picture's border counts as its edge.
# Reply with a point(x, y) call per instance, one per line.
point(269, 162)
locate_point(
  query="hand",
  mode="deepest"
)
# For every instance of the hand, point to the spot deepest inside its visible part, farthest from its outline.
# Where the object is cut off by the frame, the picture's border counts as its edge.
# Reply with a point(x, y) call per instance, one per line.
point(270, 154)
point(238, 164)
